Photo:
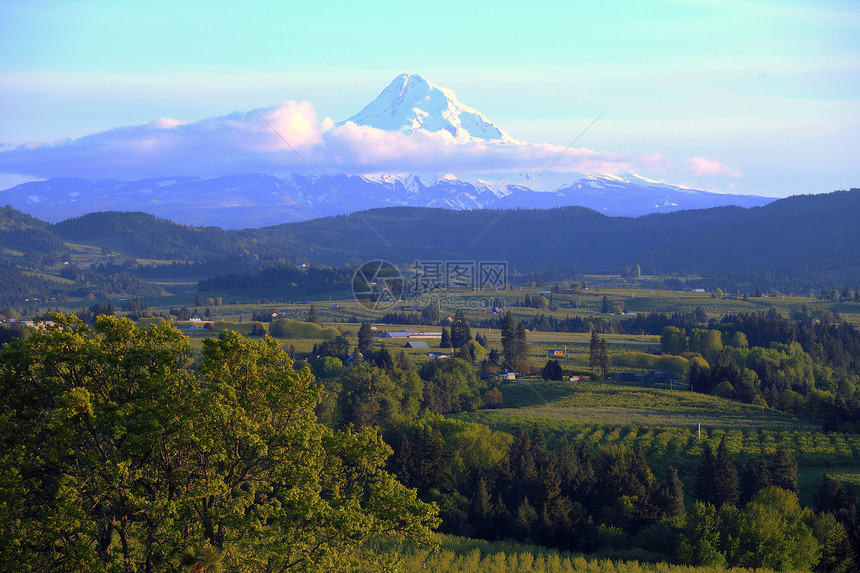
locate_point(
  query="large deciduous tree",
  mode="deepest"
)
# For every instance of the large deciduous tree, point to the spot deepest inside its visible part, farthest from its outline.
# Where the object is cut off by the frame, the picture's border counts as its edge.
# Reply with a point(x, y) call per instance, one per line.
point(117, 454)
point(552, 371)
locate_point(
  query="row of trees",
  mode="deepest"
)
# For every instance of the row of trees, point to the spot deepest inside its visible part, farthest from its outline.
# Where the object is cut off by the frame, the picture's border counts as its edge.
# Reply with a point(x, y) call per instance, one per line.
point(528, 492)
point(579, 498)
point(282, 280)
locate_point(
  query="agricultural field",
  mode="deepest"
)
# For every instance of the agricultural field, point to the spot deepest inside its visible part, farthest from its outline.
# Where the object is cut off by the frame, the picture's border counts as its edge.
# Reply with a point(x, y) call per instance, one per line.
point(665, 425)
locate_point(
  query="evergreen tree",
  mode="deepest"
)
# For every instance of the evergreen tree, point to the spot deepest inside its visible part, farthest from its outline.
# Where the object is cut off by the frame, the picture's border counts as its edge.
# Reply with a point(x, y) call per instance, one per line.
point(460, 333)
point(527, 518)
point(705, 477)
point(698, 378)
point(568, 467)
point(835, 497)
point(669, 498)
point(509, 340)
point(432, 313)
point(382, 359)
point(725, 369)
point(365, 339)
point(640, 470)
point(754, 478)
point(481, 506)
point(446, 339)
point(594, 350)
point(586, 466)
point(603, 360)
point(403, 462)
point(598, 355)
point(627, 474)
point(555, 507)
point(312, 315)
point(500, 518)
point(604, 306)
point(482, 340)
point(538, 447)
point(522, 462)
point(783, 473)
point(434, 470)
point(522, 347)
point(725, 477)
point(762, 477)
point(403, 362)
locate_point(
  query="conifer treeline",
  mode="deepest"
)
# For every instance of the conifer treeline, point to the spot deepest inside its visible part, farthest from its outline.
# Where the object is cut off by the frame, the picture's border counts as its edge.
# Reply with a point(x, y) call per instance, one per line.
point(583, 499)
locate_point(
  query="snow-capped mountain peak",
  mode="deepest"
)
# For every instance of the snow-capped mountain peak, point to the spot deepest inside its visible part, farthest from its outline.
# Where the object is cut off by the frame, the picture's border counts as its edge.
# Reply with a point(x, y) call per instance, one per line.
point(411, 104)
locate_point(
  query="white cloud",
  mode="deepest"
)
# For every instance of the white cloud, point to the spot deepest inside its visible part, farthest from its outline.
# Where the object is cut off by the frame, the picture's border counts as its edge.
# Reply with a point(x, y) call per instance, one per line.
point(709, 167)
point(280, 139)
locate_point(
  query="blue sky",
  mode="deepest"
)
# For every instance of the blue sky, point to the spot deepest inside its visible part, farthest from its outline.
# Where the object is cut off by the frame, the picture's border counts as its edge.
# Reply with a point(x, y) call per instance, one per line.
point(735, 96)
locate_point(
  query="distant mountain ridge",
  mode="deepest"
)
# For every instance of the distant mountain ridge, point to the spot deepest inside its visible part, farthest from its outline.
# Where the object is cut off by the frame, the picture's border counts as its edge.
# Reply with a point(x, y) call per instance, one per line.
point(813, 232)
point(257, 200)
point(806, 242)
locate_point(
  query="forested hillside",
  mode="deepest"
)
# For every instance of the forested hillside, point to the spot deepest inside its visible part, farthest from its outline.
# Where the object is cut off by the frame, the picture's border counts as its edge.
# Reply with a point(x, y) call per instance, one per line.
point(817, 232)
point(799, 244)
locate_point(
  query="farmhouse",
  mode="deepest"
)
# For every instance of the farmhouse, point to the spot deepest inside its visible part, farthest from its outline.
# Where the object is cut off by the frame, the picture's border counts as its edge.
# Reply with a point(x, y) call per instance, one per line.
point(416, 344)
point(659, 377)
